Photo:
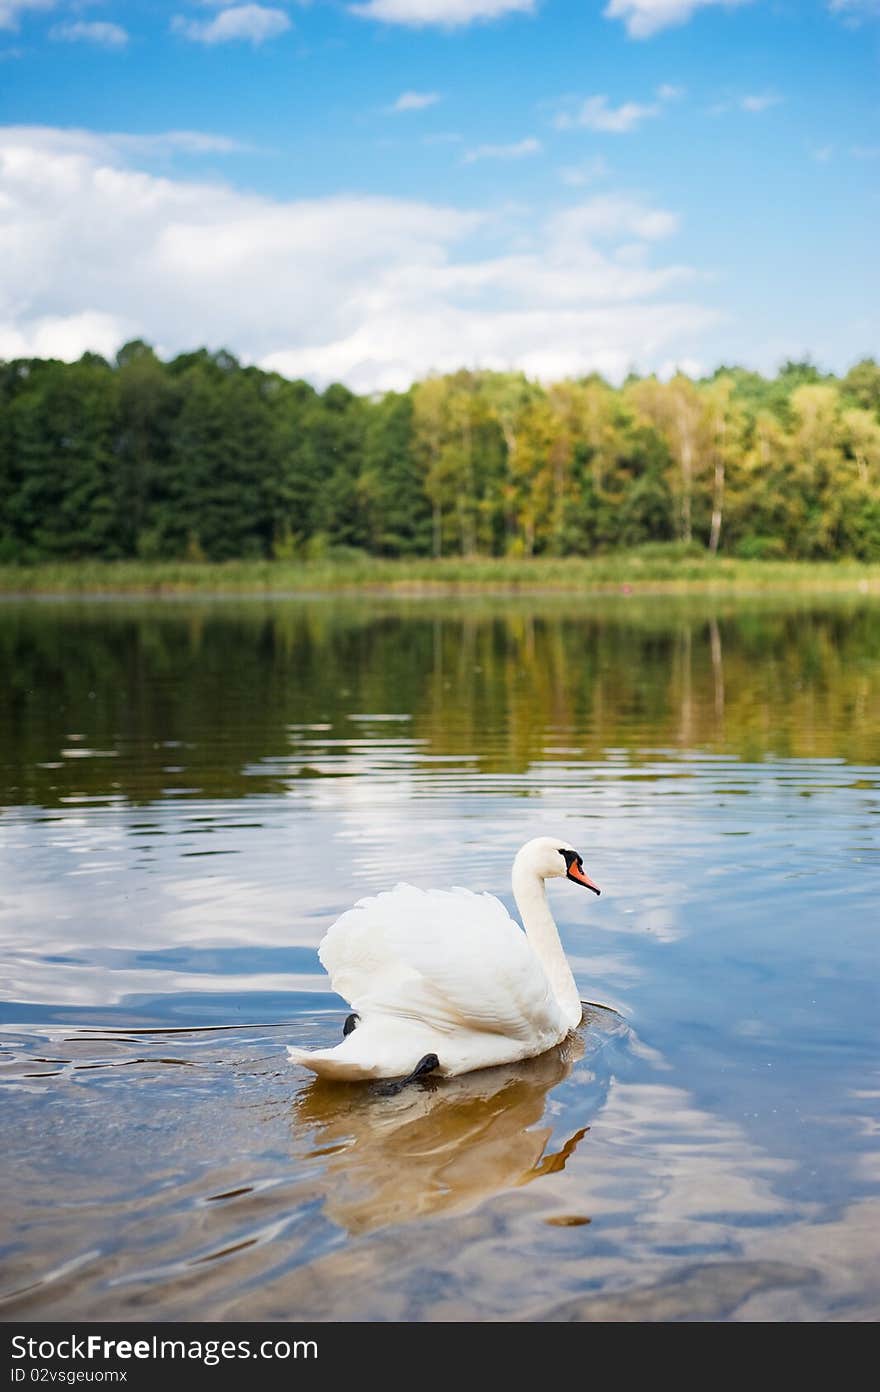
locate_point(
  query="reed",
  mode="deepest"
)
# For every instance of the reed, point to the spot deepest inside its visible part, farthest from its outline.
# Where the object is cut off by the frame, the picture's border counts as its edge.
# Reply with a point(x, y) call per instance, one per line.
point(658, 568)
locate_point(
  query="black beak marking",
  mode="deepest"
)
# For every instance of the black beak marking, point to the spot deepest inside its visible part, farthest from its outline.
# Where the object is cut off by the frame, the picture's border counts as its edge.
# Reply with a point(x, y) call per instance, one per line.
point(574, 861)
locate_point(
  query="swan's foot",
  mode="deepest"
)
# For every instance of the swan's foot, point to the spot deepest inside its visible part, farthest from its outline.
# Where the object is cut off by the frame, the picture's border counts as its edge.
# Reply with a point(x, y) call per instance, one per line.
point(423, 1067)
point(349, 1025)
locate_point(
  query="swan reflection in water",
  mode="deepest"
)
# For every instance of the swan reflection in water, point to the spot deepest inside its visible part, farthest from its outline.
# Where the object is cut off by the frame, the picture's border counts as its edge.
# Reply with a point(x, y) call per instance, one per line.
point(445, 1145)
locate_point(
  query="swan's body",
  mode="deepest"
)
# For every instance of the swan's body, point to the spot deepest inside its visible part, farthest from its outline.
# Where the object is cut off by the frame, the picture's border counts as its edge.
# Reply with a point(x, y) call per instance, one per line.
point(448, 974)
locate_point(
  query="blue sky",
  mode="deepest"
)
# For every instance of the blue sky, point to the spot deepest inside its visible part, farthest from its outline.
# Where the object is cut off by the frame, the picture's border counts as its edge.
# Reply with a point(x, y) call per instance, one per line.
point(370, 191)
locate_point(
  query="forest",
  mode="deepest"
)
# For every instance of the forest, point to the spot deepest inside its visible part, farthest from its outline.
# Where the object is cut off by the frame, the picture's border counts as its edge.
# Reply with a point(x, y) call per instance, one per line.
point(201, 458)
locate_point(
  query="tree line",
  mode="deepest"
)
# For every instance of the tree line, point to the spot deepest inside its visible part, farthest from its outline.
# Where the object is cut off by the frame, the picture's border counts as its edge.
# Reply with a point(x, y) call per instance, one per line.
point(203, 458)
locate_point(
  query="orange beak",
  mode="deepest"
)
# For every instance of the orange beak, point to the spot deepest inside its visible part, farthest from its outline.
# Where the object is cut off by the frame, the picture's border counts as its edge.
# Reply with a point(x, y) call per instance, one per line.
point(576, 873)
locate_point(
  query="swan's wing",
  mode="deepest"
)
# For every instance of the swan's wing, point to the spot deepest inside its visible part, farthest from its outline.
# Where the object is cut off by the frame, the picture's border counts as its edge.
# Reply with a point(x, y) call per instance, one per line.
point(450, 958)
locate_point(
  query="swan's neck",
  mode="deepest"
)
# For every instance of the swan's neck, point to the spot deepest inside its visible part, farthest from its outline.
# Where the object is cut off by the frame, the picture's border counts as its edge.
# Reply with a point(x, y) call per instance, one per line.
point(542, 933)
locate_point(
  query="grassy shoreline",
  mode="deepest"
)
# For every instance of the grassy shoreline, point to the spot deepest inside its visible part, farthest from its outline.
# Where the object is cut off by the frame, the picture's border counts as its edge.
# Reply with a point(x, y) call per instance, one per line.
point(652, 570)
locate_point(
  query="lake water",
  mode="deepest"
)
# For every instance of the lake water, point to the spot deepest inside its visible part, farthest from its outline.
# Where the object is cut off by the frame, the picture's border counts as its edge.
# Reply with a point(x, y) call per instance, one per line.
point(192, 791)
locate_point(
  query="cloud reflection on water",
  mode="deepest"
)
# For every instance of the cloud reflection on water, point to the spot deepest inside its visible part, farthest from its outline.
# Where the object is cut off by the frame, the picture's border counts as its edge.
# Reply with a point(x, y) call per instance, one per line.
point(718, 770)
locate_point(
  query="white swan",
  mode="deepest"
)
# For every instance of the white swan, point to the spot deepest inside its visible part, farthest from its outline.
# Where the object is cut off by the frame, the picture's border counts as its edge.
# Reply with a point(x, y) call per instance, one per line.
point(444, 981)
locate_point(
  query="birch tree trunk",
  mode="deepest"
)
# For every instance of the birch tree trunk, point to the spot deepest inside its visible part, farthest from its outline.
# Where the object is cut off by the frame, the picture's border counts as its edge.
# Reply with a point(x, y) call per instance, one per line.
point(717, 493)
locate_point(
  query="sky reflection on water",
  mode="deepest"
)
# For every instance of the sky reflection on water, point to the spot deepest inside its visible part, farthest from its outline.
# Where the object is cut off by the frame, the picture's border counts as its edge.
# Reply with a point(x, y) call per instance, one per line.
point(192, 792)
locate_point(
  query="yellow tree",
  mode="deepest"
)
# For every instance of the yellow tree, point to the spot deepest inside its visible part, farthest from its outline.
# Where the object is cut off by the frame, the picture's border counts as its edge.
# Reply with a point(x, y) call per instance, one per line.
point(566, 403)
point(532, 476)
point(595, 412)
point(430, 410)
point(764, 511)
point(818, 470)
point(725, 426)
point(679, 412)
point(861, 435)
point(508, 397)
point(860, 525)
point(454, 434)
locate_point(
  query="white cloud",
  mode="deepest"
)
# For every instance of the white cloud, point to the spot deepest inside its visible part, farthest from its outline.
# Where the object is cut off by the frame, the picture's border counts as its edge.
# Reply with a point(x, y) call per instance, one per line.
point(519, 150)
point(578, 175)
point(252, 23)
point(370, 290)
point(856, 9)
point(65, 336)
point(643, 18)
point(760, 101)
point(668, 91)
point(752, 102)
point(111, 147)
point(446, 14)
point(609, 215)
point(186, 141)
point(415, 101)
point(595, 114)
point(12, 10)
point(100, 32)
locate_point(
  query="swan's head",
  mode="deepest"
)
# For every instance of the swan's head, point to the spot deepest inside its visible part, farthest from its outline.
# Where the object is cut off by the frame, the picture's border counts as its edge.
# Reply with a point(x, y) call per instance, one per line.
point(551, 858)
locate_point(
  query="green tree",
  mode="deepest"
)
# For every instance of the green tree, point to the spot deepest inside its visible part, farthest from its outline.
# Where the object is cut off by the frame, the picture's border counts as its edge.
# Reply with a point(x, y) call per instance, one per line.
point(61, 432)
point(392, 484)
point(148, 405)
point(223, 454)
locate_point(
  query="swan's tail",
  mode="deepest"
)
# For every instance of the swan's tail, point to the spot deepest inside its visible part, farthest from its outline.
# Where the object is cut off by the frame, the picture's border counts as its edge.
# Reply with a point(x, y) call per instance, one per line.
point(381, 1048)
point(331, 1063)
